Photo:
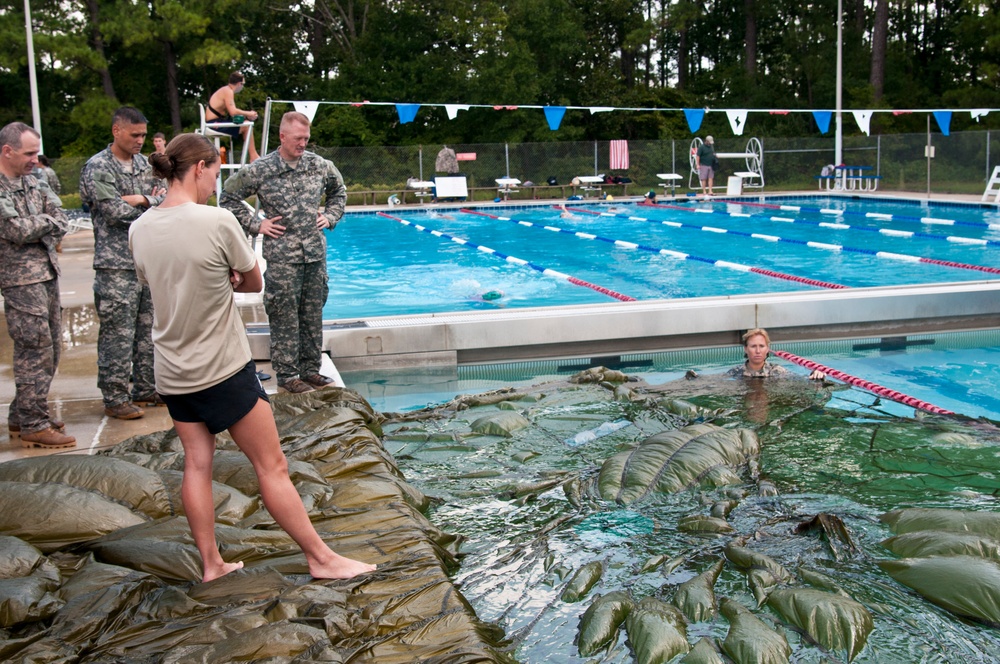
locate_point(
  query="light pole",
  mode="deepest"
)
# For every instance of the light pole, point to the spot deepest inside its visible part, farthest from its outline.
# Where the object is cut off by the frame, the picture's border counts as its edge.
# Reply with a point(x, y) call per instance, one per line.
point(32, 80)
point(838, 146)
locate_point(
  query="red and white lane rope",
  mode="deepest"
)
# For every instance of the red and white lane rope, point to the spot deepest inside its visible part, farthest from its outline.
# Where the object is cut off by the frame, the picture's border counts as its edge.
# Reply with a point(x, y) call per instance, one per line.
point(874, 388)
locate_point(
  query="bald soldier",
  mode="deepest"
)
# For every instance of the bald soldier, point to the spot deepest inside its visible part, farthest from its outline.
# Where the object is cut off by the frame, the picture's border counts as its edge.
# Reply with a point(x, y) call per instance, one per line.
point(32, 223)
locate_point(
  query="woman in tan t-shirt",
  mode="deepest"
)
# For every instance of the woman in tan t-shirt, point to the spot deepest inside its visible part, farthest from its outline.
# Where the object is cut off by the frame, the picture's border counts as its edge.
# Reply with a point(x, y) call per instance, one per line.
point(193, 257)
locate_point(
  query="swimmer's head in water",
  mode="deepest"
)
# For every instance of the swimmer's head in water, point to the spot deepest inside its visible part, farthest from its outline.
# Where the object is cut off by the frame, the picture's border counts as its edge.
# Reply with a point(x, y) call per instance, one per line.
point(493, 295)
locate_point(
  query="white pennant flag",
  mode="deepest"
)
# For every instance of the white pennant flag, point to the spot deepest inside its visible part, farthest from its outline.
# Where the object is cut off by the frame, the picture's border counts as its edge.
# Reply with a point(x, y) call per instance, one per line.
point(307, 108)
point(453, 109)
point(979, 113)
point(737, 120)
point(600, 109)
point(864, 120)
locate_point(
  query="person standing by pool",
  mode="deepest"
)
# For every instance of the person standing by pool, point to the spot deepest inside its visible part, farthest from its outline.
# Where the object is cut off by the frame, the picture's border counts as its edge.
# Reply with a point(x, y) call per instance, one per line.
point(32, 223)
point(704, 160)
point(757, 348)
point(118, 185)
point(290, 184)
point(193, 256)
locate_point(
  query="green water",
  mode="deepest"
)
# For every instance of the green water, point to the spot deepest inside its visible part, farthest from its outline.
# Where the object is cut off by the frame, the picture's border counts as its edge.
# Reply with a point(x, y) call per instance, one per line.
point(524, 536)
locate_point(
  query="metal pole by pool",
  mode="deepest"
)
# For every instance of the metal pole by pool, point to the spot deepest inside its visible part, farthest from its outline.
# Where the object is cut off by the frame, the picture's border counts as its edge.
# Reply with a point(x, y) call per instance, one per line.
point(838, 149)
point(32, 79)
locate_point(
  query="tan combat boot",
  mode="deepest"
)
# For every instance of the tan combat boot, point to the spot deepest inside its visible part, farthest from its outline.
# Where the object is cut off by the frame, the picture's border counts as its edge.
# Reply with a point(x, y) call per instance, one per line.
point(47, 439)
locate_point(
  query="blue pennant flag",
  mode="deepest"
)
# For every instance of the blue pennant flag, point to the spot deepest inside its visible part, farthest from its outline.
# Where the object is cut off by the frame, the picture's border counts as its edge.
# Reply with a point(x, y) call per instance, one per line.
point(944, 121)
point(823, 120)
point(694, 117)
point(407, 112)
point(554, 114)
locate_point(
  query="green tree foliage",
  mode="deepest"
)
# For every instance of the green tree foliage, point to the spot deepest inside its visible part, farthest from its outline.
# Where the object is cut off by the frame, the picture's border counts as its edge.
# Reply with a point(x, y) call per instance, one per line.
point(166, 56)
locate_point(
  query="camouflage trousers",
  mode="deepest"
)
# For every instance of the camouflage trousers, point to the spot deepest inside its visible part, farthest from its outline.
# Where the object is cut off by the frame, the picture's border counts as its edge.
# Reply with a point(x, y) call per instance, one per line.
point(294, 295)
point(34, 323)
point(125, 338)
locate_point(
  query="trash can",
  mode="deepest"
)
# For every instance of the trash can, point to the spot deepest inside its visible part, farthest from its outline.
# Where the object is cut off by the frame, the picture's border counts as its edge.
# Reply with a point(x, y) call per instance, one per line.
point(734, 186)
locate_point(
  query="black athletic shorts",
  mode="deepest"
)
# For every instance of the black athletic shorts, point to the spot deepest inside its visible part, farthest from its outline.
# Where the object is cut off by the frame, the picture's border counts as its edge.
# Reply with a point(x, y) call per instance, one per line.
point(220, 406)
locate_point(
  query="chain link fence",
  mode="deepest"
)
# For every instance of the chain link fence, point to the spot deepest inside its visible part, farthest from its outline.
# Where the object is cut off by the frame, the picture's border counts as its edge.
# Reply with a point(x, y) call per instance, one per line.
point(961, 164)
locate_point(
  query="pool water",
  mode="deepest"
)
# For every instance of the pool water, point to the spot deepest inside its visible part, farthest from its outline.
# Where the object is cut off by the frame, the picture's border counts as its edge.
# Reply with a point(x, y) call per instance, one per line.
point(959, 372)
point(441, 261)
point(824, 450)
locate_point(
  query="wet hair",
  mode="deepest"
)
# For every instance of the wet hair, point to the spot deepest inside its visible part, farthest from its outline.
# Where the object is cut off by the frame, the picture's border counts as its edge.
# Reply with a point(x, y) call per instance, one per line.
point(236, 78)
point(749, 334)
point(11, 134)
point(129, 116)
point(184, 151)
point(293, 117)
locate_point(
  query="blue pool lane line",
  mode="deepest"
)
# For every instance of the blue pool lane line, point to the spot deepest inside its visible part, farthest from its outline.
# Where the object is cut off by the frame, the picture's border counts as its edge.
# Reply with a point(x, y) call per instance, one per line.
point(839, 225)
point(513, 259)
point(873, 215)
point(774, 238)
point(665, 252)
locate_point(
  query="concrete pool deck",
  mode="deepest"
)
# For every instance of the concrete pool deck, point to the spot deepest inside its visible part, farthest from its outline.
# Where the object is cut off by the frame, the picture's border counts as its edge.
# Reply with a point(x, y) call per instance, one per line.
point(603, 330)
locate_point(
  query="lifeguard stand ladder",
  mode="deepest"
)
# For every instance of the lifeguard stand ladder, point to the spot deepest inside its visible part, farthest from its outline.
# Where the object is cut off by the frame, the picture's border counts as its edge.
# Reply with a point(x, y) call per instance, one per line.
point(993, 186)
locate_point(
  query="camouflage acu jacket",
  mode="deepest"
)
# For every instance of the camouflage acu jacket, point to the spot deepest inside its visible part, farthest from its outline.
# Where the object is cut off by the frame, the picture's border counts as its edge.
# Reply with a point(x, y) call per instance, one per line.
point(293, 193)
point(767, 371)
point(103, 182)
point(32, 222)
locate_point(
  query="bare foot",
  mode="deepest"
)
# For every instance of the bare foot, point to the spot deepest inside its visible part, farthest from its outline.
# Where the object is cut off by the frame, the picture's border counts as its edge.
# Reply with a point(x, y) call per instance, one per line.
point(338, 567)
point(226, 568)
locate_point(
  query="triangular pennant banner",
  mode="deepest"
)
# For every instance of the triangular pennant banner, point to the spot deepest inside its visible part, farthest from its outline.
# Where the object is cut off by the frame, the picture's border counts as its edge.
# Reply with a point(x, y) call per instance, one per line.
point(554, 114)
point(979, 113)
point(823, 120)
point(864, 120)
point(600, 109)
point(694, 117)
point(737, 120)
point(407, 112)
point(307, 108)
point(453, 109)
point(944, 121)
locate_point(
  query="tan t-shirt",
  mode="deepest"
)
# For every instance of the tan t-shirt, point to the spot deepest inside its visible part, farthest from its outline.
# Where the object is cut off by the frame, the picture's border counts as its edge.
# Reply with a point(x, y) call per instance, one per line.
point(185, 254)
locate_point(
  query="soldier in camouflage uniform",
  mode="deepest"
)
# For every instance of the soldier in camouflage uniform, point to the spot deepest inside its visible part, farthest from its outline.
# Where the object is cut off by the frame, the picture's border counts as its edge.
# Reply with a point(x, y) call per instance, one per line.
point(290, 184)
point(118, 185)
point(31, 224)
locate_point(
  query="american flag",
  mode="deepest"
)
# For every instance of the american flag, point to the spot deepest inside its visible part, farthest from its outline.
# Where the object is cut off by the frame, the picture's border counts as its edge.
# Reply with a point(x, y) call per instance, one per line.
point(619, 155)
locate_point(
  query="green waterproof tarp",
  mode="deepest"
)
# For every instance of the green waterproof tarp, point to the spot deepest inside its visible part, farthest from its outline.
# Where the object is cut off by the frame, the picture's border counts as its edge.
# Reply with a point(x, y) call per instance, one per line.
point(125, 589)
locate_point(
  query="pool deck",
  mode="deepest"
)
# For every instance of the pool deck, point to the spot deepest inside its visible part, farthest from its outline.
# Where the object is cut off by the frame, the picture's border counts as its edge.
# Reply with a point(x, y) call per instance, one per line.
point(592, 331)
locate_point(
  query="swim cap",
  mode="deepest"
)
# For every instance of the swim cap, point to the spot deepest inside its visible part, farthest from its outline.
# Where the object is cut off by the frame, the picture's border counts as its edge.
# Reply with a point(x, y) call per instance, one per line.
point(493, 295)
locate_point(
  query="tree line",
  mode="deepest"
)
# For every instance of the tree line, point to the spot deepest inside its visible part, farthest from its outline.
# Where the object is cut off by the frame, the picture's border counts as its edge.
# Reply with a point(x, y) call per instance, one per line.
point(165, 56)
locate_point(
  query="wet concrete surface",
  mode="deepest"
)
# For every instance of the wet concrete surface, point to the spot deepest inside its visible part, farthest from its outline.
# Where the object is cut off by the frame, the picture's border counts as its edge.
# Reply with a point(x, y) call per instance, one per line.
point(74, 397)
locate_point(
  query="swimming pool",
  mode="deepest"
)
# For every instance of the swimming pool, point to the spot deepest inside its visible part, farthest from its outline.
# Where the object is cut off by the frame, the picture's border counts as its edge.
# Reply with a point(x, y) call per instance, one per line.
point(423, 262)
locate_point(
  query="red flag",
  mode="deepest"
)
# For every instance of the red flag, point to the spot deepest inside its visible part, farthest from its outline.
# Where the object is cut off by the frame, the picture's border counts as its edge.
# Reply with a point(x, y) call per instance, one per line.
point(619, 155)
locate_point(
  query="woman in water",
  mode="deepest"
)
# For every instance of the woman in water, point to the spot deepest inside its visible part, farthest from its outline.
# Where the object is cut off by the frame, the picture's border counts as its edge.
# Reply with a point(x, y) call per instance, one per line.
point(757, 348)
point(193, 257)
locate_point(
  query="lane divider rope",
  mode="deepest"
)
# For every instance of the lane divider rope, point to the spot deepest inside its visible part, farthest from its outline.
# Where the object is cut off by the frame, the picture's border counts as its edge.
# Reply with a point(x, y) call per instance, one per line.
point(874, 388)
point(774, 238)
point(666, 252)
point(874, 215)
point(838, 225)
point(513, 259)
